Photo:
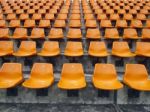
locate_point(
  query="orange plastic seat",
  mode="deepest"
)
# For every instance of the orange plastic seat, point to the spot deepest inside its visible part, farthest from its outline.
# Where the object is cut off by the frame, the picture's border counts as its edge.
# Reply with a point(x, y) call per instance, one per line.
point(44, 24)
point(37, 33)
point(75, 16)
point(75, 11)
point(4, 33)
point(101, 17)
point(130, 34)
point(105, 77)
point(8, 11)
point(88, 16)
point(1, 16)
point(41, 76)
point(121, 11)
point(2, 23)
point(72, 77)
point(50, 48)
point(147, 24)
point(24, 16)
point(143, 49)
point(14, 23)
point(97, 49)
point(121, 49)
point(136, 77)
point(141, 17)
point(27, 48)
point(19, 11)
point(114, 17)
point(133, 11)
point(11, 75)
point(11, 16)
point(29, 23)
point(6, 48)
point(109, 11)
point(111, 33)
point(55, 33)
point(36, 16)
point(62, 16)
point(59, 24)
point(73, 49)
point(49, 16)
point(20, 33)
point(121, 24)
point(146, 33)
point(127, 16)
point(31, 11)
point(105, 24)
point(93, 33)
point(75, 23)
point(74, 33)
point(91, 24)
point(41, 11)
point(136, 24)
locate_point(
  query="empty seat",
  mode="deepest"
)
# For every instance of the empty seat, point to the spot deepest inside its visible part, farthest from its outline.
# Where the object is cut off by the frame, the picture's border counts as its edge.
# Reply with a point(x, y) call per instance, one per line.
point(11, 75)
point(6, 48)
point(146, 33)
point(29, 23)
point(88, 16)
point(19, 11)
point(55, 33)
point(50, 48)
point(49, 16)
point(114, 17)
point(24, 16)
point(62, 16)
point(30, 11)
point(74, 33)
point(1, 16)
point(36, 16)
point(111, 33)
point(2, 23)
point(121, 23)
point(44, 24)
point(105, 24)
point(143, 49)
point(105, 77)
point(41, 76)
point(101, 17)
point(130, 34)
point(93, 33)
point(141, 17)
point(27, 48)
point(72, 77)
point(73, 49)
point(75, 16)
point(74, 11)
point(14, 23)
point(59, 24)
point(37, 33)
point(75, 23)
point(90, 23)
point(97, 49)
point(147, 24)
point(121, 49)
point(136, 24)
point(4, 33)
point(20, 33)
point(136, 77)
point(11, 16)
point(127, 16)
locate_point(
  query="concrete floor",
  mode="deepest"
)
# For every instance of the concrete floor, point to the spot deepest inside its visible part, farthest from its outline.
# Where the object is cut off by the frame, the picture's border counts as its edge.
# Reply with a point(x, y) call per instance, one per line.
point(72, 108)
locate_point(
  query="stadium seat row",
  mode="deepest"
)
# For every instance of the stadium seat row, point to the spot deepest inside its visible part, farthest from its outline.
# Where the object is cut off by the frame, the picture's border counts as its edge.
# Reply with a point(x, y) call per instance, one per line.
point(72, 76)
point(73, 33)
point(43, 23)
point(74, 49)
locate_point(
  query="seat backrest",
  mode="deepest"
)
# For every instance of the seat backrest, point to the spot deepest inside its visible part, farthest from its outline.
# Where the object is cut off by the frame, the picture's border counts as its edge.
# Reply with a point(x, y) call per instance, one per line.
point(11, 70)
point(42, 71)
point(105, 72)
point(50, 45)
point(6, 45)
point(135, 72)
point(72, 71)
point(28, 46)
